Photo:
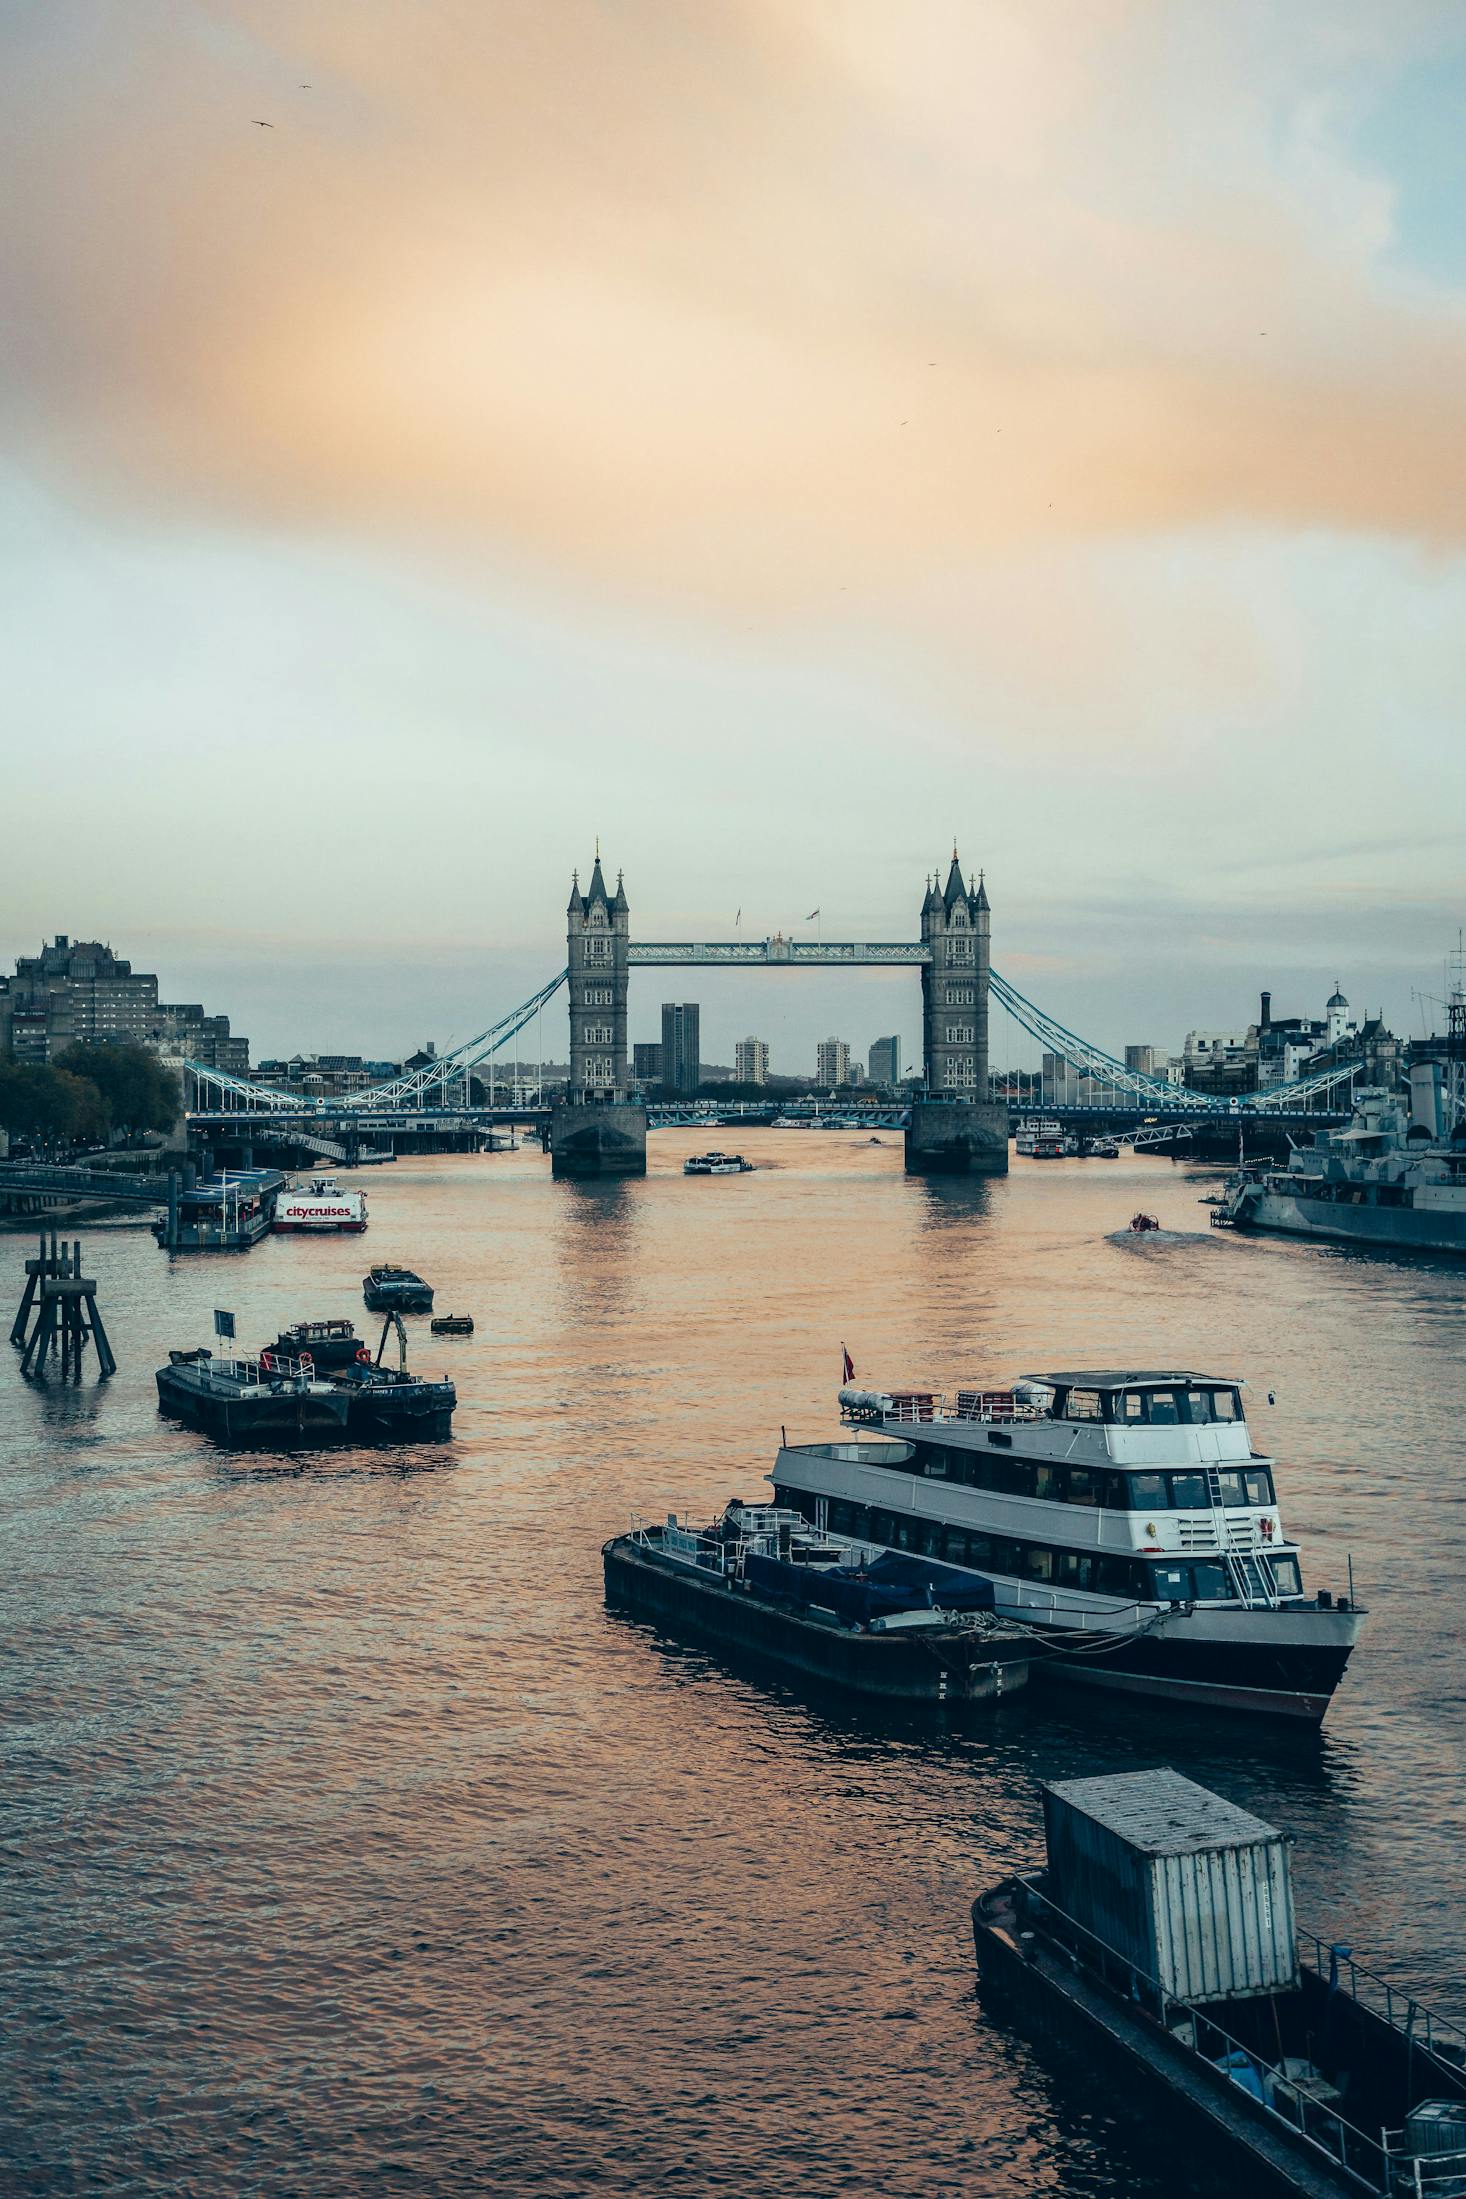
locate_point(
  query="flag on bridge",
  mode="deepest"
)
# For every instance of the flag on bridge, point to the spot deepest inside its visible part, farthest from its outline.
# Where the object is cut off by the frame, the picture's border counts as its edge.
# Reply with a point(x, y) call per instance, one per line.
point(849, 1374)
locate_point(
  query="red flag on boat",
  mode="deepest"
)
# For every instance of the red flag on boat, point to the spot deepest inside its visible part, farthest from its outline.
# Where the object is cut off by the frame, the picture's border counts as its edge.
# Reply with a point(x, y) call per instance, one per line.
point(849, 1374)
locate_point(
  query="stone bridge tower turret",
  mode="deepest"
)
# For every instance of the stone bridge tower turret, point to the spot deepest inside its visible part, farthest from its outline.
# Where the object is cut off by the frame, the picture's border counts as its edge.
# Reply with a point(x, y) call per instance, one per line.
point(597, 942)
point(955, 929)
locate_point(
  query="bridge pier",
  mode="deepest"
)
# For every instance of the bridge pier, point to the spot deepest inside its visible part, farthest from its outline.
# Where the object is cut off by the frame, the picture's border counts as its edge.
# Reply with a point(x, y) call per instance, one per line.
point(957, 1138)
point(598, 1138)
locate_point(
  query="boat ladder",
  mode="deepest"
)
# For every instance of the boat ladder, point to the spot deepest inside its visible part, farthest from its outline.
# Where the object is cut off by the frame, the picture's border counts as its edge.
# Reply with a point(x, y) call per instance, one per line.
point(1251, 1577)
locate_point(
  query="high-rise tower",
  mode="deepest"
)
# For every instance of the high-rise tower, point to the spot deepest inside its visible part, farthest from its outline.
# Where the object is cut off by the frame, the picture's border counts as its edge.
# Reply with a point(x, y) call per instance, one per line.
point(597, 939)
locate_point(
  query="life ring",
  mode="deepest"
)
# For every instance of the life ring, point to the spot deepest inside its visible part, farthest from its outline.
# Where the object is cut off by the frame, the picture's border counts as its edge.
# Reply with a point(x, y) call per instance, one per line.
point(363, 1357)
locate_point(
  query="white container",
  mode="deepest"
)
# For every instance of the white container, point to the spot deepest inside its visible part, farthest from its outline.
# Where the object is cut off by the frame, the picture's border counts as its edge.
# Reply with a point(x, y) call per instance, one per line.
point(1190, 1890)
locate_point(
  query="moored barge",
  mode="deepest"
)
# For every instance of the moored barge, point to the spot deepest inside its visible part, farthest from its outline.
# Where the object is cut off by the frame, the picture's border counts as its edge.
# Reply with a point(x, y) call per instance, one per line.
point(265, 1400)
point(758, 1581)
point(396, 1290)
point(1160, 1943)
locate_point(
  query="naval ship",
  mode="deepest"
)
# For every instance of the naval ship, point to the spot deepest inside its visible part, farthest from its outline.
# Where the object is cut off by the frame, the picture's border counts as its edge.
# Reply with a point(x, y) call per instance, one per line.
point(1385, 1181)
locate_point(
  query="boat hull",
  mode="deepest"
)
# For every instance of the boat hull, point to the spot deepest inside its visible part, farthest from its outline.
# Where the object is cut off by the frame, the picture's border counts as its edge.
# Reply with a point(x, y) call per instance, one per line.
point(1382, 1228)
point(420, 1412)
point(959, 1667)
point(397, 1299)
point(279, 1418)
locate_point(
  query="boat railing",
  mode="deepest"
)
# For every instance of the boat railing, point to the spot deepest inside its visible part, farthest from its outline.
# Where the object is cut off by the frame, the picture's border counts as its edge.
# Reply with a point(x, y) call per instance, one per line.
point(1266, 2083)
point(1426, 2031)
point(917, 1407)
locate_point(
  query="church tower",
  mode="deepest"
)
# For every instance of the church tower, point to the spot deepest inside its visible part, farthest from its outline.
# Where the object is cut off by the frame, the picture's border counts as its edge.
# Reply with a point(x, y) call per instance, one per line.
point(956, 931)
point(597, 942)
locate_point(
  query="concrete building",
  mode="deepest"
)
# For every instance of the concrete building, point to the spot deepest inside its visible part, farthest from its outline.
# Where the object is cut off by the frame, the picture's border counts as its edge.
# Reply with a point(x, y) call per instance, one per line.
point(83, 994)
point(681, 1062)
point(646, 1063)
point(883, 1062)
point(751, 1061)
point(832, 1062)
point(1145, 1061)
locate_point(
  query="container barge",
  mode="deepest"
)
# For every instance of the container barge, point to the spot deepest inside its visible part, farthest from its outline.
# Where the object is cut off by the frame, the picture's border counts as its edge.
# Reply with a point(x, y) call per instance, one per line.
point(758, 1581)
point(1160, 1943)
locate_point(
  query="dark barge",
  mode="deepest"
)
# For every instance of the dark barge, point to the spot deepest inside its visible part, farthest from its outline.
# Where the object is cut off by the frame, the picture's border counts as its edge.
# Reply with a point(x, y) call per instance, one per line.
point(759, 1583)
point(1160, 1945)
point(396, 1290)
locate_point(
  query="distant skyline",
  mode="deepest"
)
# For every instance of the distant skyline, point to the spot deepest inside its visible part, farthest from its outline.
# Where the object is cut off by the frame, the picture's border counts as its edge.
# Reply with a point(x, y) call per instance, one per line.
point(779, 438)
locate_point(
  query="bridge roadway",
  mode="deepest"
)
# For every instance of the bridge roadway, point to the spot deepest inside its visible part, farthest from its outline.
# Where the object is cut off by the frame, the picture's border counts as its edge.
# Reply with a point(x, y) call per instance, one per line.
point(82, 1183)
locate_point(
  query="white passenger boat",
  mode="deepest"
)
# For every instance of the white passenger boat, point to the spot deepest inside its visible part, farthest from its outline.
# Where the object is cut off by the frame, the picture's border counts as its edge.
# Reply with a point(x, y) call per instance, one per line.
point(319, 1204)
point(1124, 1514)
point(716, 1164)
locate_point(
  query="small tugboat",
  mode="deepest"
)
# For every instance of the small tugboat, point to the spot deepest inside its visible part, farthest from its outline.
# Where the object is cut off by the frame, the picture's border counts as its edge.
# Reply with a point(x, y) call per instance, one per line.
point(396, 1290)
point(327, 1344)
point(831, 1609)
point(452, 1324)
point(1142, 1224)
point(1102, 1149)
point(319, 1205)
point(270, 1399)
point(1160, 1942)
point(716, 1164)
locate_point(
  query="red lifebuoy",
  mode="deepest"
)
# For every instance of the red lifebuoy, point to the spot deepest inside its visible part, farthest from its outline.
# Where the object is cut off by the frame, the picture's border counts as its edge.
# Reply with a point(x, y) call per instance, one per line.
point(364, 1357)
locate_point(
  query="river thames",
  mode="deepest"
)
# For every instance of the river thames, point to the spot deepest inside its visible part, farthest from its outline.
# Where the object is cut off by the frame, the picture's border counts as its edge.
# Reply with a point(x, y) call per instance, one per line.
point(352, 1847)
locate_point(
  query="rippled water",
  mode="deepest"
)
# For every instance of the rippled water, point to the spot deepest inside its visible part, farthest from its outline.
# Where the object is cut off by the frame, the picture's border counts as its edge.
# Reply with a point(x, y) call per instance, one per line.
point(352, 1847)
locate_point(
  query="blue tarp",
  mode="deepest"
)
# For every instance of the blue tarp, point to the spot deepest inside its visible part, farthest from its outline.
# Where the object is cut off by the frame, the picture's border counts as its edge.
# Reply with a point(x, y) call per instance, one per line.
point(893, 1582)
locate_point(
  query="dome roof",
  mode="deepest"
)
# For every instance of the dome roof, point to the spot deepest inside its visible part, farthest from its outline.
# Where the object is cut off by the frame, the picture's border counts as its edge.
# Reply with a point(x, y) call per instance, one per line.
point(1337, 1000)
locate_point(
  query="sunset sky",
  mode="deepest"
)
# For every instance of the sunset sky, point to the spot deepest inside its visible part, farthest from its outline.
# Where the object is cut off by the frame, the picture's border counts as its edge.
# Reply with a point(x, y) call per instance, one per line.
point(774, 435)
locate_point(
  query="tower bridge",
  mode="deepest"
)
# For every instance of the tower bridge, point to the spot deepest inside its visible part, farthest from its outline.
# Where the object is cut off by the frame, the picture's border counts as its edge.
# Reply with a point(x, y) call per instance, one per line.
point(957, 1124)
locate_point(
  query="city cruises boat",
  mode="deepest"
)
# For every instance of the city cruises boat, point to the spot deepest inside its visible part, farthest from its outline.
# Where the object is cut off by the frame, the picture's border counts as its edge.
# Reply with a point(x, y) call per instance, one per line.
point(1122, 1514)
point(824, 1606)
point(269, 1399)
point(716, 1164)
point(1159, 1943)
point(319, 1205)
point(1381, 1182)
point(396, 1290)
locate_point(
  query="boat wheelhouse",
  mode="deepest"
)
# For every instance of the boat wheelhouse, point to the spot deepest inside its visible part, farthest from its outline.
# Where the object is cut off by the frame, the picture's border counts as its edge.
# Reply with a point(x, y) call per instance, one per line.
point(1124, 1513)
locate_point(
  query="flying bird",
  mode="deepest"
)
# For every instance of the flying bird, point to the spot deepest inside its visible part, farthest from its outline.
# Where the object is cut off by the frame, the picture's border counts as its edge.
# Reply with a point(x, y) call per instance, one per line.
point(262, 125)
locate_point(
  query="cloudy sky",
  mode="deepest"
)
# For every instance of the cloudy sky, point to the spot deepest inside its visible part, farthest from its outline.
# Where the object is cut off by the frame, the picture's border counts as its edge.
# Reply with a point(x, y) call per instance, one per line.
point(777, 436)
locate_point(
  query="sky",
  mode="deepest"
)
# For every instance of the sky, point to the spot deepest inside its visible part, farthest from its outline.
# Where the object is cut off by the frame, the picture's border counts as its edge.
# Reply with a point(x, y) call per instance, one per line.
point(779, 438)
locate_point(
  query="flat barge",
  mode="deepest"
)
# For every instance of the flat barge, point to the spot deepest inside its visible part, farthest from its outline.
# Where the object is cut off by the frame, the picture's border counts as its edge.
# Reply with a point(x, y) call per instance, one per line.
point(1160, 1945)
point(396, 1290)
point(759, 1583)
point(229, 1212)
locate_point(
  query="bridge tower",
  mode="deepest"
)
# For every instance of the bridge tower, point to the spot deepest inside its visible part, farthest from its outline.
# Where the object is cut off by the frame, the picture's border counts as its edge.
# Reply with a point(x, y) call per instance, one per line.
point(955, 1128)
point(598, 1130)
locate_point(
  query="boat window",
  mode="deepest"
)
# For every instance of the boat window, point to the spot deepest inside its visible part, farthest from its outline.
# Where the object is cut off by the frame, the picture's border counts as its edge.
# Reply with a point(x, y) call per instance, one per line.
point(1226, 1405)
point(1074, 1570)
point(1012, 1477)
point(1259, 1483)
point(1037, 1562)
point(1117, 1577)
point(1132, 1407)
point(934, 1464)
point(1170, 1584)
point(954, 1546)
point(1004, 1442)
point(1234, 1490)
point(1082, 1488)
point(881, 1526)
point(1048, 1482)
point(1189, 1493)
point(1164, 1409)
point(1083, 1405)
point(1287, 1576)
point(1147, 1493)
point(1213, 1582)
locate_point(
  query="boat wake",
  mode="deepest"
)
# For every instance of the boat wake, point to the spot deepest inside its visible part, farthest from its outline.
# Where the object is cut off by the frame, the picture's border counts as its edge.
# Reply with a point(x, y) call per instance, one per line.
point(1146, 1241)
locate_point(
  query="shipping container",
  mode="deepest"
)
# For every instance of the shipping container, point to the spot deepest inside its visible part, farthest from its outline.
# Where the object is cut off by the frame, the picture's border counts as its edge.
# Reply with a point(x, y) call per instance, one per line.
point(1192, 1891)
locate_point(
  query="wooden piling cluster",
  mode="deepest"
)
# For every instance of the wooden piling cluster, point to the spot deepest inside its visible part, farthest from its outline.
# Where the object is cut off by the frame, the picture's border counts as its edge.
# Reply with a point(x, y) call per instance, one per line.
point(64, 1302)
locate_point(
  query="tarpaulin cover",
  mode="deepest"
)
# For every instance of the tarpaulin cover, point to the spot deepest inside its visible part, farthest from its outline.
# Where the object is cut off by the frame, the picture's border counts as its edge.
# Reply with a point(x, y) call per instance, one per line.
point(894, 1582)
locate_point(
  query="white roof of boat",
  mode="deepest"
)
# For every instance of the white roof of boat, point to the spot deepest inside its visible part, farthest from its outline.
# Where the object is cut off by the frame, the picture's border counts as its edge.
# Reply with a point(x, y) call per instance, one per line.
point(1122, 1378)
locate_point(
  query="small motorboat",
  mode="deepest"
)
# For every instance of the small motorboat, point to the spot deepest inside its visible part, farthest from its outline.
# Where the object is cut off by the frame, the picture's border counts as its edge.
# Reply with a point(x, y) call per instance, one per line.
point(1140, 1224)
point(452, 1324)
point(716, 1164)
